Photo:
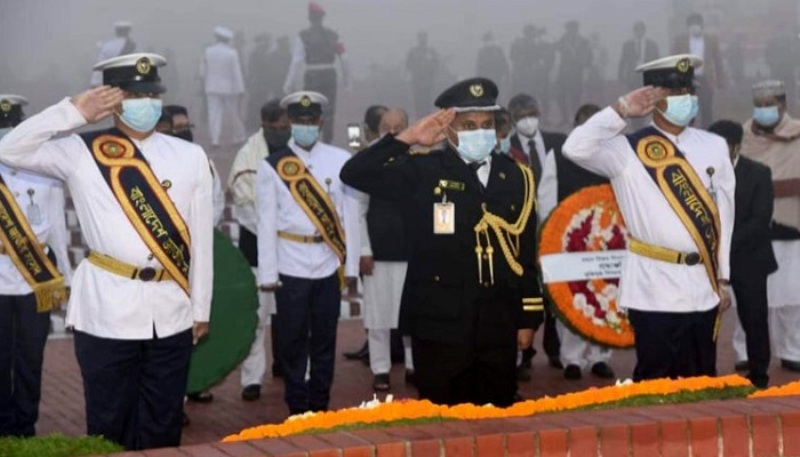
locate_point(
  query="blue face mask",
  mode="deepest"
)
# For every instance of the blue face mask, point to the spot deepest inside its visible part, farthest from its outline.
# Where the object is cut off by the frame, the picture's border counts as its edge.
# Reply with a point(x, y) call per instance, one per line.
point(681, 109)
point(475, 145)
point(504, 145)
point(4, 131)
point(305, 135)
point(766, 116)
point(141, 114)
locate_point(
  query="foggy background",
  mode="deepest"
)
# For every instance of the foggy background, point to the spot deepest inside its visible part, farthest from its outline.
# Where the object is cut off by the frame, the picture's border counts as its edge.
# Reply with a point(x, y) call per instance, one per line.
point(49, 46)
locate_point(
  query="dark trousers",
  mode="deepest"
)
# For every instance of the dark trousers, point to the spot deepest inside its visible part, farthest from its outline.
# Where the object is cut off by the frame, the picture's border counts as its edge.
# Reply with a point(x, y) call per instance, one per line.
point(751, 306)
point(324, 82)
point(479, 369)
point(308, 313)
point(671, 345)
point(550, 341)
point(23, 334)
point(134, 389)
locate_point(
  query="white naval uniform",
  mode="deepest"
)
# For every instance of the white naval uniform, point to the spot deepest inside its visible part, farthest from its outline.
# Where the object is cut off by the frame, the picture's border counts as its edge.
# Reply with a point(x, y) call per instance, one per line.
point(224, 85)
point(647, 284)
point(104, 304)
point(383, 290)
point(109, 49)
point(47, 194)
point(574, 349)
point(242, 184)
point(278, 211)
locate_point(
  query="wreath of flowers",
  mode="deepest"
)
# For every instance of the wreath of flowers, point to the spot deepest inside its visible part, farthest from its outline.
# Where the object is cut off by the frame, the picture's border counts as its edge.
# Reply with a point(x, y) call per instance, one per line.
point(587, 221)
point(376, 412)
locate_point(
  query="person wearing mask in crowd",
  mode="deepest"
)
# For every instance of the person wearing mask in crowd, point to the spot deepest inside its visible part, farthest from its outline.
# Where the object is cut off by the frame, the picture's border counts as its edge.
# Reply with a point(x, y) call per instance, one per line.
point(710, 77)
point(752, 257)
point(307, 230)
point(273, 136)
point(635, 52)
point(560, 179)
point(531, 146)
point(142, 297)
point(319, 48)
point(372, 119)
point(470, 299)
point(673, 282)
point(221, 71)
point(772, 137)
point(384, 259)
point(34, 205)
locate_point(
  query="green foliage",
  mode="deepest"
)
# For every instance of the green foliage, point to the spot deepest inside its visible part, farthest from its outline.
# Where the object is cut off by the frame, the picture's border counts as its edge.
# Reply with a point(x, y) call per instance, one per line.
point(56, 445)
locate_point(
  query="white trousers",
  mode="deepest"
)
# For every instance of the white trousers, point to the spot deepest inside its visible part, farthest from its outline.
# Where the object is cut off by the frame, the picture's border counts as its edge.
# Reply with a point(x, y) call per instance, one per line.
point(576, 350)
point(224, 108)
point(380, 350)
point(255, 365)
point(784, 332)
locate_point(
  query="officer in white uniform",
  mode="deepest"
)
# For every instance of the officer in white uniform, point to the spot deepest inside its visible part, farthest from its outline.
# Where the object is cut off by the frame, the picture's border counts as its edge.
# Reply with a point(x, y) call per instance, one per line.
point(23, 328)
point(221, 71)
point(300, 249)
point(672, 299)
point(119, 45)
point(273, 135)
point(134, 312)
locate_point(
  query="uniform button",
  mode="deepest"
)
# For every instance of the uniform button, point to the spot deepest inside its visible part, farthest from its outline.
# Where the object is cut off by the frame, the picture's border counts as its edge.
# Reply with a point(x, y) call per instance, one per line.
point(436, 278)
point(486, 284)
point(150, 257)
point(485, 257)
point(166, 184)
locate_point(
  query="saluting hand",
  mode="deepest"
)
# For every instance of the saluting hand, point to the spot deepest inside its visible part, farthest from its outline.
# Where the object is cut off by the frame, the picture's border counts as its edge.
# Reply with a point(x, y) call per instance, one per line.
point(429, 130)
point(639, 103)
point(98, 103)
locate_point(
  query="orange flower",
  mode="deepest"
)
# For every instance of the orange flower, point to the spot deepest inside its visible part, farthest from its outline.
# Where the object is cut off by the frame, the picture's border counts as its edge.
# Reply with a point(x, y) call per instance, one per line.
point(786, 390)
point(423, 409)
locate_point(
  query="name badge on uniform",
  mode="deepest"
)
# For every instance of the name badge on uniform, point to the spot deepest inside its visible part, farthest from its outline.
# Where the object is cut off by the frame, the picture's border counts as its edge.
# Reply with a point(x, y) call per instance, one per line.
point(32, 211)
point(444, 218)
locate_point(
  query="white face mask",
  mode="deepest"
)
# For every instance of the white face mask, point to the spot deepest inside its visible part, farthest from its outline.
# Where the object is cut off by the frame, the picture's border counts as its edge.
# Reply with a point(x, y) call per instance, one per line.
point(528, 126)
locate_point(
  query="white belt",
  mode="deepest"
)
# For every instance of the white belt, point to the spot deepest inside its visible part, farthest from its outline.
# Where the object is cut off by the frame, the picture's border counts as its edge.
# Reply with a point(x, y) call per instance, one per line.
point(320, 66)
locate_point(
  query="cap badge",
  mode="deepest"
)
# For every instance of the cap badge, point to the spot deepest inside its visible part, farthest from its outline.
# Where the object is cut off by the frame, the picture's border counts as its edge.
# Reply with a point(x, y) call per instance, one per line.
point(143, 66)
point(305, 102)
point(476, 90)
point(5, 106)
point(683, 65)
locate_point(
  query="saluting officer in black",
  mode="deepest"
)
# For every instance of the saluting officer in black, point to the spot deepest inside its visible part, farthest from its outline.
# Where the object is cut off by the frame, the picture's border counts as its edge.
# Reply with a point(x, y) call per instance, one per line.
point(471, 296)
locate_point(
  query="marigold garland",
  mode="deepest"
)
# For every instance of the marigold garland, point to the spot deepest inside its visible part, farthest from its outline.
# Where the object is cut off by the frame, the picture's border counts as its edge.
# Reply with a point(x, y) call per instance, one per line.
point(422, 409)
point(606, 232)
point(786, 390)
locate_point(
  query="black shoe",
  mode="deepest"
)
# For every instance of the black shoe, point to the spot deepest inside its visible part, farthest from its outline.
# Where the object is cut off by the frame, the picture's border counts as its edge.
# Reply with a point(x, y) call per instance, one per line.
point(251, 392)
point(410, 378)
point(556, 363)
point(200, 397)
point(742, 366)
point(523, 375)
point(572, 372)
point(790, 365)
point(602, 370)
point(527, 355)
point(381, 382)
point(360, 354)
point(759, 381)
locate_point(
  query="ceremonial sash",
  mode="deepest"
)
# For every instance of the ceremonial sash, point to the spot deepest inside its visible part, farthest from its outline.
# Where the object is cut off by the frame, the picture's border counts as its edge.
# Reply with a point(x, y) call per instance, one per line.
point(685, 193)
point(144, 201)
point(312, 199)
point(23, 248)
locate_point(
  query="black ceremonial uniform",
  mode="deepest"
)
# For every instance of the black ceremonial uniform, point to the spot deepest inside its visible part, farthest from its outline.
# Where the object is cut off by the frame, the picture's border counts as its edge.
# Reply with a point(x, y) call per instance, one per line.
point(321, 47)
point(464, 327)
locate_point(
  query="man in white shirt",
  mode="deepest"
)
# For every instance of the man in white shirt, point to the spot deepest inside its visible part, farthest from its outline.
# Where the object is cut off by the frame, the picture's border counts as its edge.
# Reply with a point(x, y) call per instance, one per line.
point(24, 316)
point(307, 230)
point(143, 295)
point(273, 135)
point(221, 70)
point(675, 187)
point(121, 44)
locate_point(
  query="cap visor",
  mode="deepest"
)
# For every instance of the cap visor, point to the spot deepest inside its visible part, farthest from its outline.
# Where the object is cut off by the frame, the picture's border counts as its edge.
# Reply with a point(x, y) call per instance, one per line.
point(143, 87)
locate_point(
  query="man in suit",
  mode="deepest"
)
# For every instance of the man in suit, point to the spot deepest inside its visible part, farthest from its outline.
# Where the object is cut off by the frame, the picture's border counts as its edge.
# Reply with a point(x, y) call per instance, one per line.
point(635, 52)
point(530, 146)
point(467, 314)
point(709, 77)
point(752, 257)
